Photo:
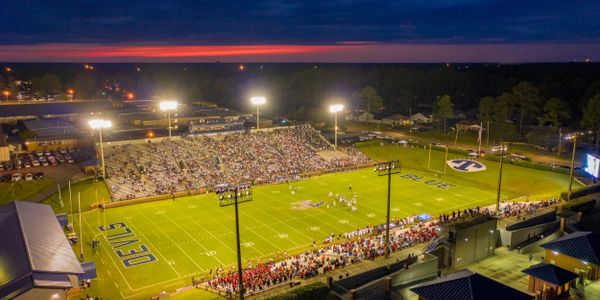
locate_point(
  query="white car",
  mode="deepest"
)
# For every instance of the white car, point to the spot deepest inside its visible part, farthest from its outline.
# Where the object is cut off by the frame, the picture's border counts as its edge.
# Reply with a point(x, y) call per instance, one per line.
point(35, 163)
point(15, 177)
point(28, 177)
point(39, 153)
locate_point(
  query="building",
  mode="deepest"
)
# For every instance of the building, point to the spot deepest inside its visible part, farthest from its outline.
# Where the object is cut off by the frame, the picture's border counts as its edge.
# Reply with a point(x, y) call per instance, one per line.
point(578, 252)
point(51, 134)
point(420, 118)
point(4, 147)
point(42, 264)
point(464, 125)
point(550, 281)
point(396, 120)
point(211, 125)
point(467, 285)
point(465, 241)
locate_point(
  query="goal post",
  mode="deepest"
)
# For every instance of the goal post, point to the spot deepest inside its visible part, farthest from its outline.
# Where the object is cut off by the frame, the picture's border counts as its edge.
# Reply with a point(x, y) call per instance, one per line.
point(445, 159)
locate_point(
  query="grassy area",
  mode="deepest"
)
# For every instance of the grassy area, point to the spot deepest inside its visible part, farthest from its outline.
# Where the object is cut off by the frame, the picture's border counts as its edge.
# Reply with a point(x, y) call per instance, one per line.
point(22, 190)
point(194, 294)
point(188, 236)
point(88, 190)
point(372, 126)
point(517, 181)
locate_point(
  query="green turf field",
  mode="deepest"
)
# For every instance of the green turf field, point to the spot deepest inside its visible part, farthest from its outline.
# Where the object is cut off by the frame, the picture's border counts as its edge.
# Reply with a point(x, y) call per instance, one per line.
point(189, 236)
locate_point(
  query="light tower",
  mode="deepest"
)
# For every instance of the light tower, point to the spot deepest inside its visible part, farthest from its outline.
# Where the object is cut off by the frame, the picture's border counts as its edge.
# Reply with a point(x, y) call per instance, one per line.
point(258, 101)
point(101, 124)
point(168, 106)
point(335, 109)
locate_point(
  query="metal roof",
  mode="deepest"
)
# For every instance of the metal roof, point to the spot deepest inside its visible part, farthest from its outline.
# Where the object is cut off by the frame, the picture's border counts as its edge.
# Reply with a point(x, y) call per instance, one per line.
point(551, 273)
point(54, 127)
point(35, 251)
point(583, 245)
point(467, 285)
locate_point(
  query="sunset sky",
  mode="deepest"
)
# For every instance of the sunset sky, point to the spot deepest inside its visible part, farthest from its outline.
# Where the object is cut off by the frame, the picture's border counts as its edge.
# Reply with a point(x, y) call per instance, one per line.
point(297, 31)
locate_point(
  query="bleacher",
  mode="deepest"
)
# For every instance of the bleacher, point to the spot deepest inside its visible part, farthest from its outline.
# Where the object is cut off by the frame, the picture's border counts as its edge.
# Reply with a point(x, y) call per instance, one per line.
point(157, 167)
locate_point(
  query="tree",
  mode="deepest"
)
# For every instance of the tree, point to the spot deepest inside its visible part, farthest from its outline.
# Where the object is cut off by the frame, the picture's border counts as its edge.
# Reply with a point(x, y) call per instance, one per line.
point(486, 109)
point(443, 108)
point(527, 99)
point(50, 85)
point(555, 110)
point(503, 107)
point(85, 86)
point(370, 100)
point(591, 117)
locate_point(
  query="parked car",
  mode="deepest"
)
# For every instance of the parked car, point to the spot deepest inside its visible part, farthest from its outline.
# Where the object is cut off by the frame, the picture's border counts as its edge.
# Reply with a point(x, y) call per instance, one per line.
point(39, 175)
point(518, 156)
point(39, 153)
point(35, 163)
point(45, 163)
point(28, 177)
point(27, 164)
point(497, 149)
point(15, 177)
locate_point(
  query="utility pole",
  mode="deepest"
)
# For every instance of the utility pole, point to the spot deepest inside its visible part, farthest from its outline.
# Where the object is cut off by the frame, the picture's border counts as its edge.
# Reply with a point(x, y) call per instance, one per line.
point(80, 228)
point(572, 166)
point(228, 196)
point(387, 169)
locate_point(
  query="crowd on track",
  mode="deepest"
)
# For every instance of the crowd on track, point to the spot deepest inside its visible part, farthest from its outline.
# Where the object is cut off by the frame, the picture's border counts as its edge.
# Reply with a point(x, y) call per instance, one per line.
point(510, 209)
point(368, 243)
point(352, 247)
point(186, 164)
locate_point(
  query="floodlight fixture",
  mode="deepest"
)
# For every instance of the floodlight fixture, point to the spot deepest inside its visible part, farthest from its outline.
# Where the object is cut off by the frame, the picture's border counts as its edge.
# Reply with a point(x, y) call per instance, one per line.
point(168, 105)
point(100, 123)
point(336, 108)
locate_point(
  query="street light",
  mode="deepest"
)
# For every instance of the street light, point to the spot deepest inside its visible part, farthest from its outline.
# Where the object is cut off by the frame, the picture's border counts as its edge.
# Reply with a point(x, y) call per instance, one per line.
point(335, 109)
point(258, 101)
point(6, 94)
point(168, 106)
point(387, 169)
point(71, 93)
point(100, 124)
point(232, 195)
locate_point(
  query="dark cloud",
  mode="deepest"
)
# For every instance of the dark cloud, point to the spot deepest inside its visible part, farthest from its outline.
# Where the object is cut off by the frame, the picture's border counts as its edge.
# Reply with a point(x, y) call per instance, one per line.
point(298, 22)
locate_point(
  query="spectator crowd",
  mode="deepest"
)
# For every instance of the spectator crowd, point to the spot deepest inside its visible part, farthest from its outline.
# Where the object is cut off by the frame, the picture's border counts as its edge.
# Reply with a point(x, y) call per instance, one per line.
point(353, 247)
point(191, 163)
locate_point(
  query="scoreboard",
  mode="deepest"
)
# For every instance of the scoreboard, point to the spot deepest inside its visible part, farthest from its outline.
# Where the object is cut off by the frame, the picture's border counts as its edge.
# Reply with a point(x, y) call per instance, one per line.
point(592, 165)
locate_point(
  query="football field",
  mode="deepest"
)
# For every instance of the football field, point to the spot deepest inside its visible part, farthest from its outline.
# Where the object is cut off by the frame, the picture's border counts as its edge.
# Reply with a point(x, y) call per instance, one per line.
point(150, 247)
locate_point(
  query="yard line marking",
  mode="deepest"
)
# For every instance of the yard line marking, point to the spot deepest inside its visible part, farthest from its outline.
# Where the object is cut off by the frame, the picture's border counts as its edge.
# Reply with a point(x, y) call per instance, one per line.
point(251, 230)
point(169, 237)
point(193, 238)
point(151, 244)
point(108, 253)
point(209, 231)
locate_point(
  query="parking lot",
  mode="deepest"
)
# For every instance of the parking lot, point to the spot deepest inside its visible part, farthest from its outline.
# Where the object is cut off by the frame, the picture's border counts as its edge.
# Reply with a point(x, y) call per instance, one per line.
point(34, 165)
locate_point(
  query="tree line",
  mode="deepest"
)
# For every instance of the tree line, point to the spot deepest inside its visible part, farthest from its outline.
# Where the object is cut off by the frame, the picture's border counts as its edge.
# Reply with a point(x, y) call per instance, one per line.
point(546, 94)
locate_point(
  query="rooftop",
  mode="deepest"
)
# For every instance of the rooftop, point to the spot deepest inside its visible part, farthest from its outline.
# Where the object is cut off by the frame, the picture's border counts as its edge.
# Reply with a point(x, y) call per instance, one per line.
point(45, 128)
point(583, 245)
point(38, 254)
point(551, 273)
point(467, 285)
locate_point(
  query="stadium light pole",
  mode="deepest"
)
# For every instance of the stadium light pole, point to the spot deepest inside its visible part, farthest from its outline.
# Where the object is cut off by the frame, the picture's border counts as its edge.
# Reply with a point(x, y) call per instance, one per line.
point(387, 169)
point(335, 109)
point(168, 106)
point(502, 146)
point(258, 101)
point(233, 195)
point(572, 166)
point(101, 124)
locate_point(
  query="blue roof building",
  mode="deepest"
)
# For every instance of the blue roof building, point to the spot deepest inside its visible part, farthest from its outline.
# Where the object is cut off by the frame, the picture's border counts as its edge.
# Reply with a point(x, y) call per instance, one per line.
point(36, 260)
point(467, 285)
